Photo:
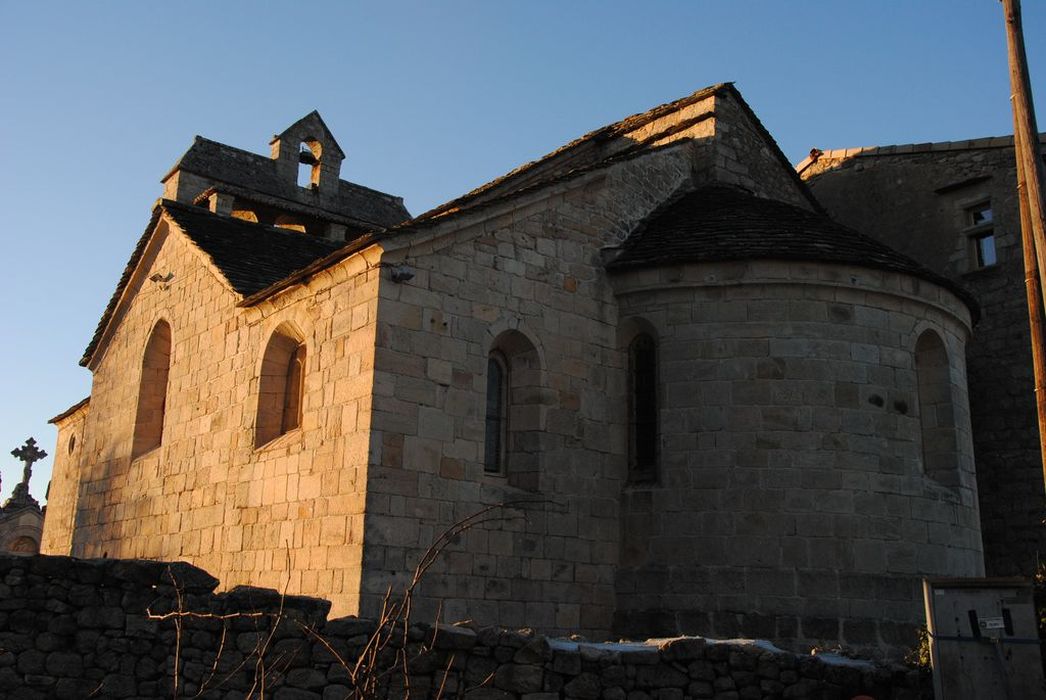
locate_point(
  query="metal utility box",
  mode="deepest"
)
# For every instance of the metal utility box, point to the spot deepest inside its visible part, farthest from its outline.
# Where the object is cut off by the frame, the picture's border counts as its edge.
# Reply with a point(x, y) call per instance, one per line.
point(984, 639)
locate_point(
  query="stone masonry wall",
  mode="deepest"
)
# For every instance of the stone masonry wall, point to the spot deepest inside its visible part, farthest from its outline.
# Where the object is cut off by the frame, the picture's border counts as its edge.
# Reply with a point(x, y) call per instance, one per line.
point(74, 629)
point(792, 500)
point(290, 508)
point(534, 271)
point(925, 217)
point(61, 495)
point(744, 158)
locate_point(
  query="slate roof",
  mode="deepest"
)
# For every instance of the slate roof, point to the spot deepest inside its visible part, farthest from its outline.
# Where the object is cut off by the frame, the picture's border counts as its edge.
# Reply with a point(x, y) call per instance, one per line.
point(257, 173)
point(582, 154)
point(722, 223)
point(251, 257)
point(125, 277)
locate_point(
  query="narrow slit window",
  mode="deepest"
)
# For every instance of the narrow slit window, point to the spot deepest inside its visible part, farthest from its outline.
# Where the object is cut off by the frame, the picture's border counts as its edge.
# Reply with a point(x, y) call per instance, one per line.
point(496, 415)
point(292, 394)
point(643, 410)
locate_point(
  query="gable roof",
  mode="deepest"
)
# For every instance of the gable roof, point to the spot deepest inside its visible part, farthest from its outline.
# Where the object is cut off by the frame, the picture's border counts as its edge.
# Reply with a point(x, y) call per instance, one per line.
point(249, 256)
point(521, 177)
point(71, 410)
point(125, 278)
point(722, 223)
point(255, 278)
point(526, 179)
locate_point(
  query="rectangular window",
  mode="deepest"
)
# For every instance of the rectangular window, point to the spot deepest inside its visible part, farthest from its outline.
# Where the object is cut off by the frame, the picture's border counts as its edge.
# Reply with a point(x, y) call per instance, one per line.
point(985, 248)
point(980, 214)
point(980, 232)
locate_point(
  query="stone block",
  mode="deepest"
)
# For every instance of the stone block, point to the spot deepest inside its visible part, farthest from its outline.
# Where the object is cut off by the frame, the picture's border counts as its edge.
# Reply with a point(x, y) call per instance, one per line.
point(519, 678)
point(454, 638)
point(585, 686)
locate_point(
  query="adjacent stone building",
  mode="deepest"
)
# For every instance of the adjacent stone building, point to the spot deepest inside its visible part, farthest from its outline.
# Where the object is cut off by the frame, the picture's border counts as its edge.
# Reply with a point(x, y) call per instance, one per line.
point(953, 207)
point(712, 409)
point(21, 517)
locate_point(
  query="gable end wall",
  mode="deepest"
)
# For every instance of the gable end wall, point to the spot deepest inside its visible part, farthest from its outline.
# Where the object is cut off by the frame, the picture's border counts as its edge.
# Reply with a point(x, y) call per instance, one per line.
point(287, 515)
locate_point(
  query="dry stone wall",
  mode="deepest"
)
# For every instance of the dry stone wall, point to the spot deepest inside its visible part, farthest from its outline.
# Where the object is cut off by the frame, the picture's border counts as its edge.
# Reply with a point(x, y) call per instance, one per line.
point(74, 628)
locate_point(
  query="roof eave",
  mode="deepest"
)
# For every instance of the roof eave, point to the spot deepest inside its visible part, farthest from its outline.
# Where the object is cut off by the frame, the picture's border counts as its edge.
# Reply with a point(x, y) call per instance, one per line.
point(776, 149)
point(302, 275)
point(640, 118)
point(619, 267)
point(75, 408)
point(114, 301)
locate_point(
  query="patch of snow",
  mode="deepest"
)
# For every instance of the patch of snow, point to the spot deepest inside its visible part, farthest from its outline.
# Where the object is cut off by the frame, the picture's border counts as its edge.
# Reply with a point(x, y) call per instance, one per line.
point(763, 644)
point(840, 660)
point(659, 642)
point(563, 644)
point(570, 645)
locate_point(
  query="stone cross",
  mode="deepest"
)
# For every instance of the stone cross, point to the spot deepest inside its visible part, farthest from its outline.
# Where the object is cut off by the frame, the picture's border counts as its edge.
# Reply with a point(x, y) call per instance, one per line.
point(28, 453)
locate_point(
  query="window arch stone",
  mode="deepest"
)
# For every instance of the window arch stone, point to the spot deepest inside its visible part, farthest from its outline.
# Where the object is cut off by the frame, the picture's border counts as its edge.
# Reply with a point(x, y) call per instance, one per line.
point(281, 385)
point(152, 391)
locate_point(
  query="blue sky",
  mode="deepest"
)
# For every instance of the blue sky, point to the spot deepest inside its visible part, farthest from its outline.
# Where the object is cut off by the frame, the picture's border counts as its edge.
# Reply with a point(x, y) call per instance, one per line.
point(428, 99)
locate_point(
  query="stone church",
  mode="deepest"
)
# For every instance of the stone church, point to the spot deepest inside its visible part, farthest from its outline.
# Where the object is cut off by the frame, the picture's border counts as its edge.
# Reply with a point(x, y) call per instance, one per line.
point(21, 517)
point(712, 408)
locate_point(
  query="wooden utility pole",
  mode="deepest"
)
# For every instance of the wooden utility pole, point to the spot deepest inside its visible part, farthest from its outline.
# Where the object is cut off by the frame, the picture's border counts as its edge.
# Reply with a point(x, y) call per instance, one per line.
point(1034, 296)
point(1030, 196)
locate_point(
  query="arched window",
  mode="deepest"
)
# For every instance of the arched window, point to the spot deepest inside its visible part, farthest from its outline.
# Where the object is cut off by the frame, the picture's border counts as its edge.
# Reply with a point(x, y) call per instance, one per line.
point(152, 391)
point(513, 431)
point(936, 412)
point(642, 408)
point(496, 414)
point(280, 386)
